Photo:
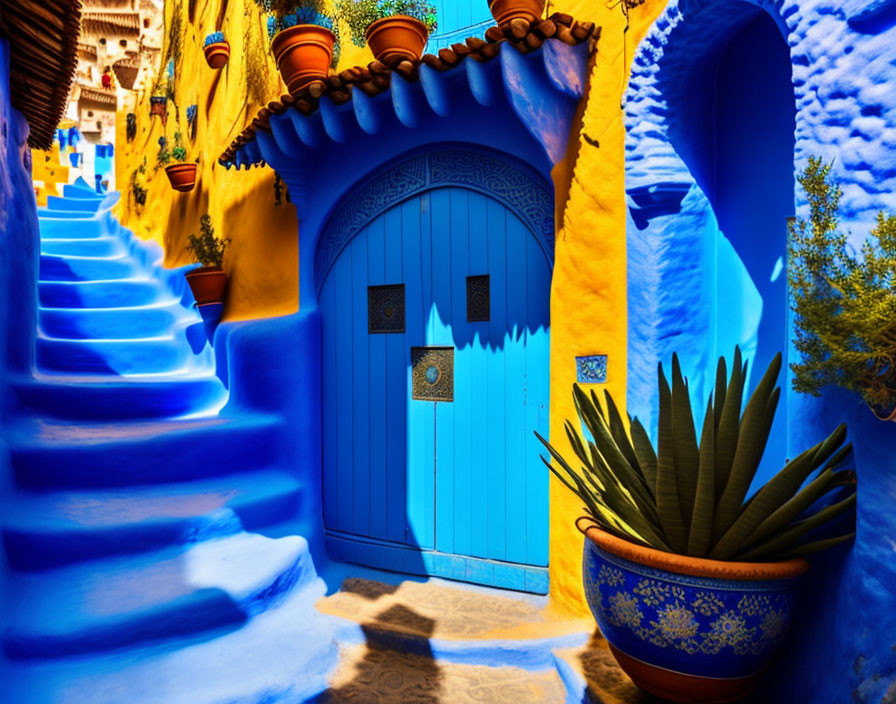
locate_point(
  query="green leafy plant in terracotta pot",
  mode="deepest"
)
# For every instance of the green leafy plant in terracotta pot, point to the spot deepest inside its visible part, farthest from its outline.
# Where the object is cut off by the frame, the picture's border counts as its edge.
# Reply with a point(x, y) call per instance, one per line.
point(508, 10)
point(181, 174)
point(395, 30)
point(692, 578)
point(209, 281)
point(303, 40)
point(845, 306)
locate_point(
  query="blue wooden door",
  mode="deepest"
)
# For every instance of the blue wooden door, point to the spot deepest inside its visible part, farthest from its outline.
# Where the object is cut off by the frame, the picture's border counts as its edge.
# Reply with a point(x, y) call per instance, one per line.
point(459, 480)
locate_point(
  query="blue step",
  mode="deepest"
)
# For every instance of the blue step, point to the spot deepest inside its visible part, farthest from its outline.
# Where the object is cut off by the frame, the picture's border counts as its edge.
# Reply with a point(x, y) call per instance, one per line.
point(81, 247)
point(87, 205)
point(134, 356)
point(57, 454)
point(100, 294)
point(80, 190)
point(68, 268)
point(117, 602)
point(47, 530)
point(108, 397)
point(45, 214)
point(68, 229)
point(109, 323)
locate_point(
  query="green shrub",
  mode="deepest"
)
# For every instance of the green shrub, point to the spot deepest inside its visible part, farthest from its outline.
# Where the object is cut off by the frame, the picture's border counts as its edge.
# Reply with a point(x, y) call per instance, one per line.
point(358, 15)
point(691, 498)
point(845, 308)
point(207, 249)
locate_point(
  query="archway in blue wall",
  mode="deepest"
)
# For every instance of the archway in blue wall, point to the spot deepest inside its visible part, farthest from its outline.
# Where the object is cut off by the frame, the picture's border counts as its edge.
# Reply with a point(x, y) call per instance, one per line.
point(434, 289)
point(734, 127)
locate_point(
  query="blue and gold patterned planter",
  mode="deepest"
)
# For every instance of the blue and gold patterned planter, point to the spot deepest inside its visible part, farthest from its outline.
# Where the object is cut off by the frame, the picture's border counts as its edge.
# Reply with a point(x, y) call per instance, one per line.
point(686, 629)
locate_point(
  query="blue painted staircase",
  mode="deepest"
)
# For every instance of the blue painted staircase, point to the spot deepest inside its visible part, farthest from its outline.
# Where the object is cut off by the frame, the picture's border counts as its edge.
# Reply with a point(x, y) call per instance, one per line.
point(148, 531)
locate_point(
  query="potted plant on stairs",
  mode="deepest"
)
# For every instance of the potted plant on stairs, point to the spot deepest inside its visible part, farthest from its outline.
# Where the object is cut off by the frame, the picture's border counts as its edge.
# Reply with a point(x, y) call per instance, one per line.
point(509, 10)
point(845, 308)
point(209, 281)
point(303, 40)
point(181, 174)
point(691, 582)
point(216, 50)
point(395, 30)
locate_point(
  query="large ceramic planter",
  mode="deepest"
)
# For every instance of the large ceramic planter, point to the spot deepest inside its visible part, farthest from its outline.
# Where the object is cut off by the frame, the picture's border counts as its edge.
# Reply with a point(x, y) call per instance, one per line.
point(507, 10)
point(397, 38)
point(689, 630)
point(208, 284)
point(182, 176)
point(217, 54)
point(304, 54)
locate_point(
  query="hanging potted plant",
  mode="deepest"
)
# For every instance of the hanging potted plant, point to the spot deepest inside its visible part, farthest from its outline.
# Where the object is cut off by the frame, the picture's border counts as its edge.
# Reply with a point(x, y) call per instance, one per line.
point(181, 174)
point(158, 104)
point(508, 10)
point(216, 50)
point(691, 581)
point(395, 30)
point(845, 308)
point(208, 282)
point(303, 40)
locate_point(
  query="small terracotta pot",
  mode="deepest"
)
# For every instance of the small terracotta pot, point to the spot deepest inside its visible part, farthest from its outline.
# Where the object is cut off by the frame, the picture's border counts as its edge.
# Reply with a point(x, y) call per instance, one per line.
point(507, 10)
point(208, 284)
point(304, 54)
point(397, 38)
point(218, 54)
point(182, 176)
point(884, 414)
point(686, 629)
point(158, 106)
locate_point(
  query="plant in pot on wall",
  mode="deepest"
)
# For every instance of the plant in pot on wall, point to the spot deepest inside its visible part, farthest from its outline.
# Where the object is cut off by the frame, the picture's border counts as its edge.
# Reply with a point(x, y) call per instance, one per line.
point(508, 10)
point(158, 103)
point(691, 581)
point(303, 39)
point(208, 282)
point(395, 30)
point(845, 308)
point(181, 174)
point(216, 50)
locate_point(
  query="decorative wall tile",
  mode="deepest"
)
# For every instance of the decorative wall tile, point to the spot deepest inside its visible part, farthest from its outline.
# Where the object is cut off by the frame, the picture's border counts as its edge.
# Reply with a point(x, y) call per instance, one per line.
point(385, 309)
point(433, 373)
point(592, 369)
point(478, 299)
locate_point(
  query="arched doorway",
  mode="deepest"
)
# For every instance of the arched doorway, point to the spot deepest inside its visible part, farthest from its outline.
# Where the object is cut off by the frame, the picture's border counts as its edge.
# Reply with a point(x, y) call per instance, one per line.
point(434, 288)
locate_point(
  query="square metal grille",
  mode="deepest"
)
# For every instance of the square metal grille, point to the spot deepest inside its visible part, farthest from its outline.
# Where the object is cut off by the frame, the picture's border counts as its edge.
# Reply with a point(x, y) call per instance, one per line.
point(478, 299)
point(433, 373)
point(385, 309)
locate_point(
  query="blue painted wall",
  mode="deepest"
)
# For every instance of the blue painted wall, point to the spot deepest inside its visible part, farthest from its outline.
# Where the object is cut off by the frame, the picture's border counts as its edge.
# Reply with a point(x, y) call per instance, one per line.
point(18, 268)
point(842, 58)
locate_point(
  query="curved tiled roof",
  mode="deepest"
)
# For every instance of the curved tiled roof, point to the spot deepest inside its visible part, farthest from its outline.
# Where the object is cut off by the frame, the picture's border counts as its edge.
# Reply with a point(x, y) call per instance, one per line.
point(43, 46)
point(98, 96)
point(112, 22)
point(375, 78)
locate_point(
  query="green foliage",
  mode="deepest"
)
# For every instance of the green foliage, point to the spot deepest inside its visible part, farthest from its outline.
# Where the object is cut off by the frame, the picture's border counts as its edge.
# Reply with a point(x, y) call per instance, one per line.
point(845, 307)
point(207, 249)
point(358, 15)
point(163, 157)
point(691, 498)
point(138, 184)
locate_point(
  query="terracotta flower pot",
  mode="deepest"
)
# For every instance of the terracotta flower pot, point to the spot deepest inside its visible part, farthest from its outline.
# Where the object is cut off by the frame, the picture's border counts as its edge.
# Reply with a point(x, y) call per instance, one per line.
point(217, 54)
point(182, 176)
point(884, 413)
point(303, 55)
point(158, 105)
point(686, 629)
point(507, 10)
point(208, 284)
point(397, 38)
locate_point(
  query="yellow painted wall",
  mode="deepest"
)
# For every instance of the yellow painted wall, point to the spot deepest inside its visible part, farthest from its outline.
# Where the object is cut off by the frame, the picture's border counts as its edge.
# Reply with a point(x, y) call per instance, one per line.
point(588, 308)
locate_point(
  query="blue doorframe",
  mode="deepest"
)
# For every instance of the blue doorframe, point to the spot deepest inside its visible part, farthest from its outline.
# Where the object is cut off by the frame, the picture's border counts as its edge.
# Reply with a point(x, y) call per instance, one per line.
point(451, 488)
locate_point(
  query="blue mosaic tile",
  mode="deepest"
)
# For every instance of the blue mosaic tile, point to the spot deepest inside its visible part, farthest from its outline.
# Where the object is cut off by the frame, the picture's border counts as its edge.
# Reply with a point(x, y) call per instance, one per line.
point(592, 369)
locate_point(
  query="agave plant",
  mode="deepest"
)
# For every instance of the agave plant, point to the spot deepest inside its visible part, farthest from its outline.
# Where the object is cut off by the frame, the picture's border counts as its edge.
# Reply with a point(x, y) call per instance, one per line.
point(691, 499)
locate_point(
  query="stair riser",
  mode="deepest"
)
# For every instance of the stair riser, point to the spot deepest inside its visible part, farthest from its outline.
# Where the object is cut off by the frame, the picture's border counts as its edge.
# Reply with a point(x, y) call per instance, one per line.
point(57, 268)
point(204, 610)
point(106, 324)
point(87, 205)
point(114, 294)
point(80, 193)
point(132, 357)
point(154, 400)
point(64, 229)
point(29, 552)
point(176, 457)
point(100, 247)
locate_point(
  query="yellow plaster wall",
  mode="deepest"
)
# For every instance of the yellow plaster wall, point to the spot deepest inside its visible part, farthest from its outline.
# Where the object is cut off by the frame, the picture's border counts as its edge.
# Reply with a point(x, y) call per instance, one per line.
point(588, 308)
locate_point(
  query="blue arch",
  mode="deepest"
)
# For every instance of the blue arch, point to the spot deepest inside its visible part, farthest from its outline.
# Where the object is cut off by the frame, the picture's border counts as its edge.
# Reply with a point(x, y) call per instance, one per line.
point(486, 171)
